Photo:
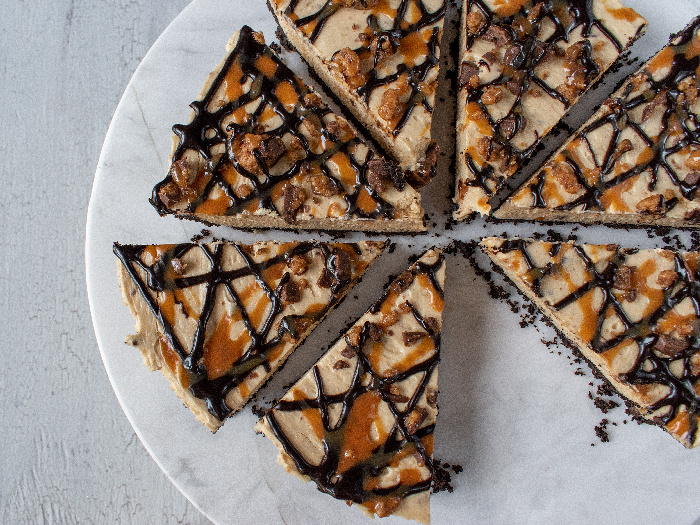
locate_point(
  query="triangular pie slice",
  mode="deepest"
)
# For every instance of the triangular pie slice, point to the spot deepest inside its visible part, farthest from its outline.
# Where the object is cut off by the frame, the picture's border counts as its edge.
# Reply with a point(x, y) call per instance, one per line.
point(633, 314)
point(263, 151)
point(218, 319)
point(381, 59)
point(637, 160)
point(523, 64)
point(360, 422)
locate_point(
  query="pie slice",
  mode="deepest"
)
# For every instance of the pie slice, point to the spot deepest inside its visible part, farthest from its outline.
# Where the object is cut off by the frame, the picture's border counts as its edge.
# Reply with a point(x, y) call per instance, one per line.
point(263, 151)
point(637, 160)
point(218, 319)
point(632, 313)
point(360, 422)
point(381, 59)
point(523, 64)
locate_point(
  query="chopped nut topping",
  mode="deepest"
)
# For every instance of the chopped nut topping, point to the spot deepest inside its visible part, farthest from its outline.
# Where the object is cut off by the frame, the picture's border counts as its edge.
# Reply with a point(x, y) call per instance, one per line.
point(395, 396)
point(475, 21)
point(391, 106)
point(484, 148)
point(515, 83)
point(623, 147)
point(312, 100)
point(666, 278)
point(468, 71)
point(669, 346)
point(380, 169)
point(290, 293)
point(692, 178)
point(374, 331)
point(294, 198)
point(182, 174)
point(402, 282)
point(322, 185)
point(564, 174)
point(178, 266)
point(411, 338)
point(340, 364)
point(508, 127)
point(170, 194)
point(298, 264)
point(413, 421)
point(492, 95)
point(349, 64)
point(341, 265)
point(432, 324)
point(497, 35)
point(514, 56)
point(326, 279)
point(651, 204)
point(271, 150)
point(420, 177)
point(623, 278)
point(693, 160)
point(242, 149)
point(659, 99)
point(358, 4)
point(348, 352)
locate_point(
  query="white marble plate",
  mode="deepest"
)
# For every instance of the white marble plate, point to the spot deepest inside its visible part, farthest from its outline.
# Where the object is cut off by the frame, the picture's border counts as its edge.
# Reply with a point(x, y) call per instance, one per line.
point(513, 412)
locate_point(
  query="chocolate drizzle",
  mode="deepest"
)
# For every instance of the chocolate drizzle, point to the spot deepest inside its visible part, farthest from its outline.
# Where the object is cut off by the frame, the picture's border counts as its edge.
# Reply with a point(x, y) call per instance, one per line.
point(680, 130)
point(263, 343)
point(651, 366)
point(212, 128)
point(525, 52)
point(353, 484)
point(392, 39)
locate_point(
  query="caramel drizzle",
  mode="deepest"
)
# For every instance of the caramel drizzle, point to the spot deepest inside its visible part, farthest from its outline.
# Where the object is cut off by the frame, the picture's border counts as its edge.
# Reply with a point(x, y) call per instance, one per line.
point(261, 346)
point(685, 286)
point(663, 146)
point(350, 485)
point(565, 15)
point(205, 131)
point(416, 74)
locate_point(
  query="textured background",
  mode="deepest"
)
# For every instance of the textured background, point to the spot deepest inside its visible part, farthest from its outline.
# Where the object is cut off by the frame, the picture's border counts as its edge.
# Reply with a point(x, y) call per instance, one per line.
point(69, 454)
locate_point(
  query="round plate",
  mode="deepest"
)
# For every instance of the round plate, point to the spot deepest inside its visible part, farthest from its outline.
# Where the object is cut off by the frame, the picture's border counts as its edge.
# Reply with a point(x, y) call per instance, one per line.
point(514, 412)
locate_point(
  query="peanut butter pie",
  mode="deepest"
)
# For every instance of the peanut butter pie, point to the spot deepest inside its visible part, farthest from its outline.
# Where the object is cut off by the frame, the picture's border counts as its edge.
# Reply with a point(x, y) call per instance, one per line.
point(360, 422)
point(263, 151)
point(218, 319)
point(632, 313)
point(381, 59)
point(637, 160)
point(523, 64)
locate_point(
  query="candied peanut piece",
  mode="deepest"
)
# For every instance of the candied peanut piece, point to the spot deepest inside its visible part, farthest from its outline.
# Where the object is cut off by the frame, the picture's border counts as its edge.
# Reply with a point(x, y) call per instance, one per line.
point(349, 65)
point(666, 278)
point(391, 107)
point(402, 282)
point(623, 278)
point(468, 75)
point(411, 338)
point(169, 194)
point(353, 336)
point(693, 160)
point(564, 174)
point(290, 293)
point(182, 174)
point(669, 346)
point(651, 204)
point(492, 95)
point(426, 169)
point(497, 35)
point(312, 100)
point(242, 149)
point(475, 21)
point(298, 264)
point(323, 186)
point(413, 421)
point(294, 198)
point(484, 148)
point(271, 150)
point(340, 364)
